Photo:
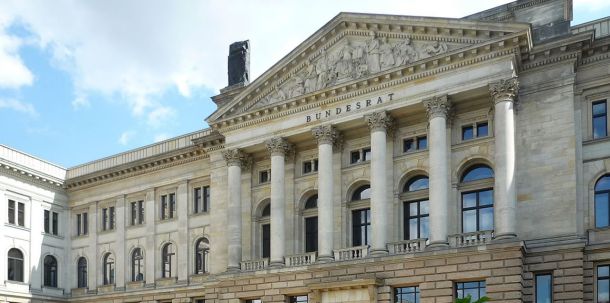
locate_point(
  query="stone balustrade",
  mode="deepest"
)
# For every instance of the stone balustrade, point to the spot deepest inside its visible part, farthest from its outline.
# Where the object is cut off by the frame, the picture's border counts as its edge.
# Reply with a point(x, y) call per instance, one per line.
point(301, 259)
point(471, 239)
point(351, 253)
point(253, 265)
point(407, 246)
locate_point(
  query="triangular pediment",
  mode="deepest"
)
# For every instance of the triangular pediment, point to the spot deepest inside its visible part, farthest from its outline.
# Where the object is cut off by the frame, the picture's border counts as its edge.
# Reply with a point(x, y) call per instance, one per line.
point(355, 47)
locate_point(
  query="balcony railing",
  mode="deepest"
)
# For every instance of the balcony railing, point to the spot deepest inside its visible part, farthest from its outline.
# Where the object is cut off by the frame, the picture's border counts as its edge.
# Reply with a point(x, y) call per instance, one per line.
point(351, 253)
point(407, 246)
point(253, 265)
point(471, 239)
point(301, 259)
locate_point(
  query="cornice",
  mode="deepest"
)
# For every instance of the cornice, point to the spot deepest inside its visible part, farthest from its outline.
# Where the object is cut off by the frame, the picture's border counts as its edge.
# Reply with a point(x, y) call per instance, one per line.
point(11, 169)
point(510, 44)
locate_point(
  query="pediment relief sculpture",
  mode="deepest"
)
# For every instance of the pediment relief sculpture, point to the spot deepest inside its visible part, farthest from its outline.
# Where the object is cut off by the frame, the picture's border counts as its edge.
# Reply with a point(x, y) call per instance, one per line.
point(351, 59)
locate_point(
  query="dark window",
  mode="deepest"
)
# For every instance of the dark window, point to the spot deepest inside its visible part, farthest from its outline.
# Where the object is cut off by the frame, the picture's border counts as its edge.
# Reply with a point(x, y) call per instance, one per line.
point(111, 218)
point(199, 300)
point(85, 224)
point(361, 227)
point(202, 254)
point(47, 223)
point(406, 294)
point(544, 288)
point(602, 201)
point(134, 213)
point(307, 167)
point(81, 272)
point(475, 290)
point(416, 183)
point(20, 214)
point(362, 193)
point(315, 164)
point(202, 199)
point(11, 211)
point(266, 239)
point(311, 234)
point(482, 129)
point(477, 210)
point(298, 299)
point(254, 301)
point(355, 157)
point(603, 284)
point(108, 269)
point(600, 119)
point(312, 202)
point(140, 212)
point(79, 224)
point(266, 210)
point(168, 206)
point(15, 265)
point(137, 265)
point(422, 143)
point(167, 254)
point(105, 219)
point(477, 172)
point(416, 216)
point(172, 204)
point(366, 154)
point(407, 145)
point(50, 271)
point(467, 132)
point(55, 223)
point(263, 176)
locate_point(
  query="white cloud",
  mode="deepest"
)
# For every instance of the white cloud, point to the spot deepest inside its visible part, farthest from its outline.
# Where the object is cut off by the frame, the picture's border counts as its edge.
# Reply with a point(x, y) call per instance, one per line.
point(80, 101)
point(18, 106)
point(161, 137)
point(160, 115)
point(13, 72)
point(126, 136)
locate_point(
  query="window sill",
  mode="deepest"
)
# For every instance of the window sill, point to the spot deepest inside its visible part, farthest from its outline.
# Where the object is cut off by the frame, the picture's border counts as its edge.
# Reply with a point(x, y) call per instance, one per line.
point(597, 140)
point(136, 226)
point(76, 237)
point(60, 237)
point(161, 221)
point(359, 163)
point(17, 226)
point(472, 142)
point(199, 214)
point(108, 231)
point(414, 152)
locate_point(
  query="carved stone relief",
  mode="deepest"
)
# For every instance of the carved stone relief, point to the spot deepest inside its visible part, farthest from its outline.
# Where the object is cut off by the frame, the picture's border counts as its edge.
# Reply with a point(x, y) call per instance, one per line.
point(351, 59)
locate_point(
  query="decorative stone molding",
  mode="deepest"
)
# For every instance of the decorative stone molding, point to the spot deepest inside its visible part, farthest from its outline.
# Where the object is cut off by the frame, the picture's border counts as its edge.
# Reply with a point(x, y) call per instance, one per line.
point(236, 157)
point(438, 106)
point(380, 121)
point(328, 134)
point(278, 146)
point(504, 90)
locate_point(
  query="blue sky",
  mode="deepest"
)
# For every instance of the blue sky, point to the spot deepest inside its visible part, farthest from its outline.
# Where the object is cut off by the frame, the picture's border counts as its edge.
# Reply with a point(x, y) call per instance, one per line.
point(81, 80)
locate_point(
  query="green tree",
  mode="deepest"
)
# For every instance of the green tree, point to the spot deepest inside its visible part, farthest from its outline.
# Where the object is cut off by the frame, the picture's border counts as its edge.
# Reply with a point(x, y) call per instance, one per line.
point(469, 300)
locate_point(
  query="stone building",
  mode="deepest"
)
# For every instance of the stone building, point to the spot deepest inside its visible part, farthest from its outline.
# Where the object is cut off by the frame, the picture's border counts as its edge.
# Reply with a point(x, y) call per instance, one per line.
point(385, 159)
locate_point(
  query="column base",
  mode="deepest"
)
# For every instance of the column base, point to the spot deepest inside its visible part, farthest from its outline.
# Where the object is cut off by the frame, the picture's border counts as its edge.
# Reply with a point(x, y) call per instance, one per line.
point(505, 236)
point(437, 245)
point(325, 259)
point(378, 252)
point(276, 264)
point(233, 269)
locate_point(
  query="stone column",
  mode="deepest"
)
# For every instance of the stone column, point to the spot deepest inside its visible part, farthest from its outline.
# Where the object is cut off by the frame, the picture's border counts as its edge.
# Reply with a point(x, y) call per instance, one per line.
point(278, 148)
point(379, 123)
point(119, 253)
point(327, 137)
point(503, 95)
point(183, 252)
point(235, 159)
point(438, 109)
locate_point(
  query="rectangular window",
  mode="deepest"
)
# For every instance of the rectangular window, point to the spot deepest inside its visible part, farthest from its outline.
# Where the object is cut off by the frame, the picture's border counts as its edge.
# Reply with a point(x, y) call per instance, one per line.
point(55, 223)
point(311, 234)
point(104, 218)
point(467, 132)
point(422, 143)
point(47, 223)
point(266, 239)
point(600, 119)
point(11, 212)
point(111, 218)
point(544, 288)
point(134, 213)
point(406, 294)
point(201, 196)
point(85, 224)
point(366, 154)
point(263, 176)
point(140, 212)
point(168, 206)
point(417, 219)
point(164, 210)
point(603, 284)
point(407, 145)
point(355, 157)
point(197, 200)
point(361, 227)
point(172, 205)
point(20, 214)
point(477, 211)
point(475, 290)
point(482, 129)
point(78, 224)
point(307, 167)
point(298, 299)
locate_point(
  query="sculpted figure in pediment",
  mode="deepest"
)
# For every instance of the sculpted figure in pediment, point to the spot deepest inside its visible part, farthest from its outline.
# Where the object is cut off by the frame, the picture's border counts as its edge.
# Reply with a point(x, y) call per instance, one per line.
point(372, 49)
point(345, 65)
point(387, 54)
point(311, 77)
point(297, 88)
point(405, 52)
point(322, 71)
point(436, 48)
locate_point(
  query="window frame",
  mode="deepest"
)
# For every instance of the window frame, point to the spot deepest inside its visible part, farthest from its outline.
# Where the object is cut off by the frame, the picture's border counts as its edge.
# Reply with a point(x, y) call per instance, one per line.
point(298, 298)
point(168, 257)
point(201, 199)
point(457, 288)
point(16, 214)
point(267, 174)
point(18, 265)
point(474, 125)
point(416, 291)
point(593, 117)
point(362, 155)
point(108, 269)
point(167, 205)
point(598, 278)
point(81, 273)
point(50, 273)
point(536, 284)
point(595, 201)
point(202, 256)
point(137, 262)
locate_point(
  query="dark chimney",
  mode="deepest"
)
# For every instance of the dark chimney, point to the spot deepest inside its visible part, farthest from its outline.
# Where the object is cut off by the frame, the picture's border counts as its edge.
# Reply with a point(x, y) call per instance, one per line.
point(239, 62)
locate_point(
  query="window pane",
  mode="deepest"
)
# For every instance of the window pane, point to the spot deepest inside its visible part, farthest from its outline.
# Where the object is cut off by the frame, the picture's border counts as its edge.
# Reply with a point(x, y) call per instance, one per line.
point(603, 184)
point(424, 227)
point(601, 210)
point(266, 240)
point(413, 233)
point(482, 129)
point(603, 271)
point(467, 133)
point(469, 200)
point(367, 154)
point(600, 127)
point(423, 208)
point(486, 197)
point(418, 183)
point(307, 167)
point(469, 221)
point(413, 209)
point(599, 108)
point(603, 291)
point(543, 289)
point(20, 214)
point(422, 143)
point(478, 173)
point(487, 218)
point(407, 145)
point(355, 157)
point(11, 211)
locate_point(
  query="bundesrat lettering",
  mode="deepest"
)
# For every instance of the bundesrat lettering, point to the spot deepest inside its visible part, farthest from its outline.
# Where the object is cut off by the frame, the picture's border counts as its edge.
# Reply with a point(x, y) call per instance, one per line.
point(350, 107)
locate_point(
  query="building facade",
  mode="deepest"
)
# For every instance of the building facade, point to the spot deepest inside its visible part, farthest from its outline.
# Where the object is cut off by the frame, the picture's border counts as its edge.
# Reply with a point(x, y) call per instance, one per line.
point(385, 159)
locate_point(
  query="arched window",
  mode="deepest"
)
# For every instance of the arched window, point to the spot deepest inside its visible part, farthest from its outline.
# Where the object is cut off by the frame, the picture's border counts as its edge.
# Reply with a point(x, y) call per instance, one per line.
point(415, 208)
point(602, 201)
point(202, 255)
point(137, 265)
point(15, 265)
point(362, 193)
point(312, 202)
point(167, 260)
point(266, 211)
point(477, 199)
point(50, 271)
point(310, 215)
point(81, 272)
point(108, 269)
point(264, 224)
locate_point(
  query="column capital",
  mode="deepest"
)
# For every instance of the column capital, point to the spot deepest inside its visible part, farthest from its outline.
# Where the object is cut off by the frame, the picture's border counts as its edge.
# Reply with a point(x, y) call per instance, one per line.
point(236, 157)
point(380, 121)
point(278, 146)
point(437, 106)
point(504, 90)
point(327, 134)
